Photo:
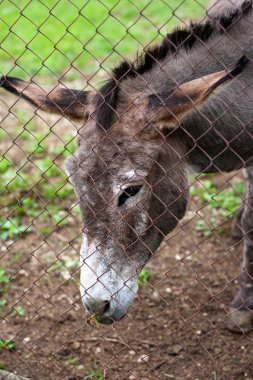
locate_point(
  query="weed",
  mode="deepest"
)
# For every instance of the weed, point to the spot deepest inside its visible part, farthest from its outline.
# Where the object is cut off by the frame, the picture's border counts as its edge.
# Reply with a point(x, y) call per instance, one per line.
point(7, 344)
point(18, 311)
point(45, 230)
point(4, 165)
point(47, 167)
point(11, 229)
point(144, 277)
point(63, 265)
point(93, 321)
point(207, 229)
point(2, 366)
point(93, 372)
point(225, 201)
point(71, 361)
point(4, 278)
point(3, 302)
point(65, 149)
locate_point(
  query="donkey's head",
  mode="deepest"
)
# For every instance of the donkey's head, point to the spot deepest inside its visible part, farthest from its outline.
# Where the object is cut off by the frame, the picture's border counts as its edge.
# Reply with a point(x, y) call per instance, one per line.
point(129, 176)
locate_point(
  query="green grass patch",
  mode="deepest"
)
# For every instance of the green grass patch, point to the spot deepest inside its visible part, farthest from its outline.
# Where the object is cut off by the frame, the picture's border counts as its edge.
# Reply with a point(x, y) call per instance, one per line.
point(225, 201)
point(12, 229)
point(18, 311)
point(7, 344)
point(3, 302)
point(4, 279)
point(48, 36)
point(63, 265)
point(206, 229)
point(93, 373)
point(144, 277)
point(71, 361)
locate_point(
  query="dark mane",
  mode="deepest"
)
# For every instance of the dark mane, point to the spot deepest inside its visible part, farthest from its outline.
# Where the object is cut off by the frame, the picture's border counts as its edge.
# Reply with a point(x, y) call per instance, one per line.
point(106, 99)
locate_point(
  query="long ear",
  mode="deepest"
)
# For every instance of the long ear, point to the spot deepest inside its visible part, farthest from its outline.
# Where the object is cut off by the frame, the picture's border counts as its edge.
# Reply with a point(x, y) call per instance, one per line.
point(167, 109)
point(62, 101)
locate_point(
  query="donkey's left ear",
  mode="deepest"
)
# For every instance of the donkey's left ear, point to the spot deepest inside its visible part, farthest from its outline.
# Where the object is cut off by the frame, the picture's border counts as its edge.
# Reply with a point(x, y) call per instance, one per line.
point(167, 109)
point(63, 101)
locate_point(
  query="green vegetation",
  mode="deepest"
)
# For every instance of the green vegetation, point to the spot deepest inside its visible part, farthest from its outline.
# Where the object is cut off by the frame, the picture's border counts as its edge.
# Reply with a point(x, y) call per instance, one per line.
point(11, 229)
point(71, 361)
point(225, 201)
point(144, 277)
point(205, 228)
point(93, 373)
point(7, 344)
point(18, 311)
point(3, 303)
point(63, 265)
point(48, 37)
point(4, 279)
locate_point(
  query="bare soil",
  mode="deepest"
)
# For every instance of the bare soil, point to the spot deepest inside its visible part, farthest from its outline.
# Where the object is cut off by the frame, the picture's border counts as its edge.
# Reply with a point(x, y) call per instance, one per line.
point(175, 329)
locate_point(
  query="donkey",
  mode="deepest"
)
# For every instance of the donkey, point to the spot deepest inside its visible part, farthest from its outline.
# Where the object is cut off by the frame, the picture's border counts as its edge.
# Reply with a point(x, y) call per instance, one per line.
point(186, 103)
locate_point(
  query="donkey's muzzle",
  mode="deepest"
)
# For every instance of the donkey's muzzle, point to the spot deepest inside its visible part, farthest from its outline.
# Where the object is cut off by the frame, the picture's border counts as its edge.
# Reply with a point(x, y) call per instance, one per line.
point(103, 309)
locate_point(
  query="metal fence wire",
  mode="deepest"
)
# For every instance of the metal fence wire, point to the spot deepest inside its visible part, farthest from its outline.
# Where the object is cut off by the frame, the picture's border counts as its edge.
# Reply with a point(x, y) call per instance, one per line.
point(145, 271)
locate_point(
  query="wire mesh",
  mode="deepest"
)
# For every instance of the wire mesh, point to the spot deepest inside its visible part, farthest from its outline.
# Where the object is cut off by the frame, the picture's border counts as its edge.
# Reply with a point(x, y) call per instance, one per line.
point(176, 121)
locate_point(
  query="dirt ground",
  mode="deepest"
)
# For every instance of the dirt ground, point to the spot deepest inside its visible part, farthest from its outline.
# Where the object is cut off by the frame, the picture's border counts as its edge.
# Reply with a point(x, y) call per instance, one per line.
point(175, 329)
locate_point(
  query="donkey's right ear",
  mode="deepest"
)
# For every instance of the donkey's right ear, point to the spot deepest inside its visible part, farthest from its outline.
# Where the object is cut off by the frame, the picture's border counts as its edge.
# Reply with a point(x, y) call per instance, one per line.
point(63, 101)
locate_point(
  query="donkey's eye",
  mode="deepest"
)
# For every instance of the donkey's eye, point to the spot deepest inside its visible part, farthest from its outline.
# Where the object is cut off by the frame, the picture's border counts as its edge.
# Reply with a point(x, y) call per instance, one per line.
point(128, 193)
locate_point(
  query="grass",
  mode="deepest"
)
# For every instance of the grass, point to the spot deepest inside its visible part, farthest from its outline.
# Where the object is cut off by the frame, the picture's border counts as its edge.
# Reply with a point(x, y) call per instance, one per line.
point(93, 373)
point(12, 229)
point(7, 344)
point(40, 194)
point(48, 37)
point(4, 280)
point(18, 311)
point(144, 277)
point(226, 202)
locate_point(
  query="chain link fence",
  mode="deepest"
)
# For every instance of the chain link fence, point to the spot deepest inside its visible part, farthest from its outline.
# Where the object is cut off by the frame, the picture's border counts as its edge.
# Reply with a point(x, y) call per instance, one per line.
point(186, 104)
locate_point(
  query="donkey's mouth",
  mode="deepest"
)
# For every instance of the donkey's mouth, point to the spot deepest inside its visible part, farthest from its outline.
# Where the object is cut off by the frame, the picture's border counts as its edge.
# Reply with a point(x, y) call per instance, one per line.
point(110, 320)
point(95, 320)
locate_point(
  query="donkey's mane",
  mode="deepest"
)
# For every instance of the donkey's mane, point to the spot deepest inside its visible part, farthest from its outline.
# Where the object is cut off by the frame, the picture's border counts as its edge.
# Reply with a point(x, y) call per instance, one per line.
point(106, 99)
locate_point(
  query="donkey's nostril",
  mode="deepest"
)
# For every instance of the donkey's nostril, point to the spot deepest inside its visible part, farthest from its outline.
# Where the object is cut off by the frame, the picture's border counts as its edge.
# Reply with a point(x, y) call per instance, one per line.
point(99, 307)
point(107, 306)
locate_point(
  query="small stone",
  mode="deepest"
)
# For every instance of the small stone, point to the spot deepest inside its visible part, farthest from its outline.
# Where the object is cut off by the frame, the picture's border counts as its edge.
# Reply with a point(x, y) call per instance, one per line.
point(23, 273)
point(168, 290)
point(143, 358)
point(76, 345)
point(155, 296)
point(217, 351)
point(132, 377)
point(66, 275)
point(97, 350)
point(131, 352)
point(178, 257)
point(198, 332)
point(176, 349)
point(27, 339)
